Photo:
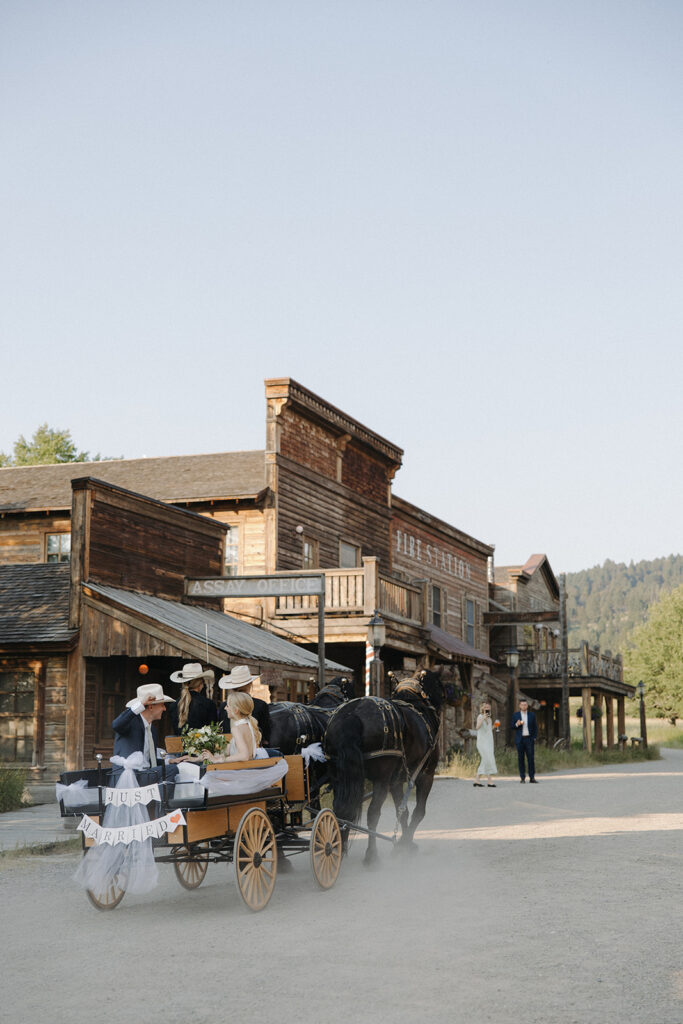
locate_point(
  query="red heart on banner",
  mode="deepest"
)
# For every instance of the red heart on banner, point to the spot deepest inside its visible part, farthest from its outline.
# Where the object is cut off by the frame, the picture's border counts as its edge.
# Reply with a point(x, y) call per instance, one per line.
point(175, 817)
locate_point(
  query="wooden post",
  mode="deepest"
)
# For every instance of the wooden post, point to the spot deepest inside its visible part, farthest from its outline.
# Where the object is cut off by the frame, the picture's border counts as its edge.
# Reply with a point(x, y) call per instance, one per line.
point(609, 704)
point(370, 589)
point(565, 728)
point(598, 722)
point(549, 724)
point(586, 719)
point(621, 716)
point(75, 710)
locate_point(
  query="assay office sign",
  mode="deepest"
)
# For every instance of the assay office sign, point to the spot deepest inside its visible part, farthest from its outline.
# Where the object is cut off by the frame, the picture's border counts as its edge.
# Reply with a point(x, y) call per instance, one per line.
point(257, 586)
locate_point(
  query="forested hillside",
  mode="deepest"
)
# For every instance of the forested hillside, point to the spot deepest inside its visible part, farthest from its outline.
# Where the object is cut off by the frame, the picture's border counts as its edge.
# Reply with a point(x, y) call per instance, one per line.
point(606, 602)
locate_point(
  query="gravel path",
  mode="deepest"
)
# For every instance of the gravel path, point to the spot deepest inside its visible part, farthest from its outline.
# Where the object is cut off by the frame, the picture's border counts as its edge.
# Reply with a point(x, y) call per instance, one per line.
point(552, 904)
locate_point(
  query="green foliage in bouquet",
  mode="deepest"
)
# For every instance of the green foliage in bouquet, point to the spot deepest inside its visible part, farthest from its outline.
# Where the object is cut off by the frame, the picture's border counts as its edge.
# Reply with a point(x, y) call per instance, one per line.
point(208, 739)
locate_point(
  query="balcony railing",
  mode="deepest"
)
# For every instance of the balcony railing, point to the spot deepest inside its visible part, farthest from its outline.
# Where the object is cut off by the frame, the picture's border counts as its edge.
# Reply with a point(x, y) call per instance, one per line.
point(350, 592)
point(582, 661)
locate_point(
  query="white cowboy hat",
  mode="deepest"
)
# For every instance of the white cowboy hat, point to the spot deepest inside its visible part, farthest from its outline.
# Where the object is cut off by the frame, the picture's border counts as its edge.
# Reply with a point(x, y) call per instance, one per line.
point(191, 671)
point(152, 690)
point(239, 677)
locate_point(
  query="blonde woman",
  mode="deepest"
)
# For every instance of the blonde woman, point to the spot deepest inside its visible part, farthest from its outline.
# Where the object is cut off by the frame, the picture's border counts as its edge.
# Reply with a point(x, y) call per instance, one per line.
point(246, 737)
point(194, 709)
point(483, 730)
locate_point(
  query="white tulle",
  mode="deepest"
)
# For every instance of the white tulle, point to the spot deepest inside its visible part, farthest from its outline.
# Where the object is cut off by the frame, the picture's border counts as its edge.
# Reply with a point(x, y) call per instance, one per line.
point(131, 866)
point(313, 752)
point(243, 780)
point(73, 795)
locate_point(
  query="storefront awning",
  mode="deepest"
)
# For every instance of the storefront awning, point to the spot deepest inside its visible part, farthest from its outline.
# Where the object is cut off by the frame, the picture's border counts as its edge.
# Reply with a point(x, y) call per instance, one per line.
point(449, 644)
point(231, 636)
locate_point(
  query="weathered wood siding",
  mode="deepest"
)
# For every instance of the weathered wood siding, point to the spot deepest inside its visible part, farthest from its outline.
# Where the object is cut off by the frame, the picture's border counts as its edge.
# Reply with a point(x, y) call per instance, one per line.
point(425, 548)
point(329, 513)
point(139, 544)
point(24, 540)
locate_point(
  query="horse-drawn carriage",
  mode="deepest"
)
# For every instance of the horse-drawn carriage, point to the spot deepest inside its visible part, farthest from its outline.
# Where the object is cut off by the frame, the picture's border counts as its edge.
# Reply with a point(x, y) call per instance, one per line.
point(254, 831)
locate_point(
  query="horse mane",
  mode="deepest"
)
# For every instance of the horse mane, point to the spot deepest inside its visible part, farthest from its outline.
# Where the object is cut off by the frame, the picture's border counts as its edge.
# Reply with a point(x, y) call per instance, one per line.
point(413, 690)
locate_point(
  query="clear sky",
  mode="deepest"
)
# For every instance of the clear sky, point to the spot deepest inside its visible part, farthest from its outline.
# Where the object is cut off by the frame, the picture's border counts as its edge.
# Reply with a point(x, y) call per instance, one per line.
point(458, 220)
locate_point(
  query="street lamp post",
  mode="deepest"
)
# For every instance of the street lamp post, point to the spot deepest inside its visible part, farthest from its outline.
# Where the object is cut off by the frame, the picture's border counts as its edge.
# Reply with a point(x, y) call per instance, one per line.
point(377, 634)
point(643, 724)
point(512, 660)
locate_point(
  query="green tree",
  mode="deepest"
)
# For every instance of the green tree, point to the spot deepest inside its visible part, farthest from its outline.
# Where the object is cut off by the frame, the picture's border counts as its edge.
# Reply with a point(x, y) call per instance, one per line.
point(657, 657)
point(46, 447)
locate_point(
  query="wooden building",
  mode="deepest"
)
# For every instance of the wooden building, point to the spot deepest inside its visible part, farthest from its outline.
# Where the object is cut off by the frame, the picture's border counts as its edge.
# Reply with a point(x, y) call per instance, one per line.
point(77, 638)
point(523, 592)
point(319, 496)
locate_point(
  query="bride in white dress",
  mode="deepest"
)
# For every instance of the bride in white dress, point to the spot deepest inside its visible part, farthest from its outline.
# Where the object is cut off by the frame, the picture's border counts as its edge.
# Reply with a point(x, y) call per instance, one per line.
point(483, 730)
point(246, 737)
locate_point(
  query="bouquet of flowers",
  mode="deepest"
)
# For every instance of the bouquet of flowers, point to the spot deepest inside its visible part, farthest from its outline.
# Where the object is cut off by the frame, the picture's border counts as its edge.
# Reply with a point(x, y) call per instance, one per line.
point(209, 738)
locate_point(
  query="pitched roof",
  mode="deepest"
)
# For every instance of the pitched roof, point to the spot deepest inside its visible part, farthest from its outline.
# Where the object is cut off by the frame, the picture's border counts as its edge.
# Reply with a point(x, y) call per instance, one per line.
point(225, 632)
point(34, 604)
point(174, 478)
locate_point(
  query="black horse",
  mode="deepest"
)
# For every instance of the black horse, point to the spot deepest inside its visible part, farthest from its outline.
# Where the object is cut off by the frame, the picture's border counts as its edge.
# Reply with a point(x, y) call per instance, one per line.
point(388, 742)
point(293, 726)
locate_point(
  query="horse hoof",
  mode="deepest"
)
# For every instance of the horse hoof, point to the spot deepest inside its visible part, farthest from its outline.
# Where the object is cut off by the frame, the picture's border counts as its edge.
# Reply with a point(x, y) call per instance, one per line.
point(370, 860)
point(406, 846)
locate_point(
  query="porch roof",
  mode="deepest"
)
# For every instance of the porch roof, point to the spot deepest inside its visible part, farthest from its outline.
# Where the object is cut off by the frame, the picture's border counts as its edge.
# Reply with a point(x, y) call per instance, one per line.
point(452, 645)
point(226, 633)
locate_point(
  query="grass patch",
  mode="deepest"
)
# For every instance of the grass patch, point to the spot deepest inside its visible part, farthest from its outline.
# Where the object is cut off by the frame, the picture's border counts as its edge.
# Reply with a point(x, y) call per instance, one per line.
point(12, 784)
point(42, 849)
point(464, 766)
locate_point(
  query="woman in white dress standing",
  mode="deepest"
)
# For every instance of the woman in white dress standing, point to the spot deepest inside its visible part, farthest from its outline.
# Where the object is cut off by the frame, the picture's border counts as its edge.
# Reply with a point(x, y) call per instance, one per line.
point(483, 730)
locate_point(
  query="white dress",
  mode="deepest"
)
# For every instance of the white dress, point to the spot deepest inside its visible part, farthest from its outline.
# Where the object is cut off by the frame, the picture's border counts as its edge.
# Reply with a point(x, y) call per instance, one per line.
point(256, 752)
point(484, 734)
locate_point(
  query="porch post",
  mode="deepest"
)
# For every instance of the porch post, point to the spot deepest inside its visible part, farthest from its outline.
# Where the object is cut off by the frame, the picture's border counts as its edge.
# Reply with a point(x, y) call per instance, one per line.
point(621, 716)
point(598, 722)
point(586, 719)
point(609, 703)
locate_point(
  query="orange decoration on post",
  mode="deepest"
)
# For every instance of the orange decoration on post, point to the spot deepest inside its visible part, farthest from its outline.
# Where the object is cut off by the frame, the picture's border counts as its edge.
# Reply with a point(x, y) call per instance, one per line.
point(143, 669)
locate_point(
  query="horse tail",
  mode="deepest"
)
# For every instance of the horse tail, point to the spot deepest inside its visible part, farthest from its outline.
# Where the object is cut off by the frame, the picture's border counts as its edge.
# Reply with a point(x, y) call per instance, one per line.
point(347, 770)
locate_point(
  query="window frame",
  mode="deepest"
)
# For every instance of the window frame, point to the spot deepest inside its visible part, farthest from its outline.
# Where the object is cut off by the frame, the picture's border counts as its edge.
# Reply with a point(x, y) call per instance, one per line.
point(60, 535)
point(307, 540)
point(14, 715)
point(228, 545)
point(354, 547)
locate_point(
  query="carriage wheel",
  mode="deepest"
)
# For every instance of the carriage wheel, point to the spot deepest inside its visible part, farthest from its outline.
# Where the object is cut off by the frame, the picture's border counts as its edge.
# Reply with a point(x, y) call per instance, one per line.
point(109, 898)
point(255, 857)
point(190, 873)
point(326, 849)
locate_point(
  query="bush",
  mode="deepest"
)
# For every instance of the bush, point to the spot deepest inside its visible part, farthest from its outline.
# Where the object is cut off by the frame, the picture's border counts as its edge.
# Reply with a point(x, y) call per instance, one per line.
point(12, 782)
point(464, 766)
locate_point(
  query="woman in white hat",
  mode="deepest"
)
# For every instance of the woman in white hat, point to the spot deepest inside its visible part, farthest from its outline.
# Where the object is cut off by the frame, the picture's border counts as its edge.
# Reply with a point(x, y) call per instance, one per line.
point(240, 680)
point(246, 736)
point(193, 708)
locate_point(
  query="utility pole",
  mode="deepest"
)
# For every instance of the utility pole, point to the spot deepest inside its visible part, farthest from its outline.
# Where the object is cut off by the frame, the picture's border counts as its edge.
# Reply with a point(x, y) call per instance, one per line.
point(564, 661)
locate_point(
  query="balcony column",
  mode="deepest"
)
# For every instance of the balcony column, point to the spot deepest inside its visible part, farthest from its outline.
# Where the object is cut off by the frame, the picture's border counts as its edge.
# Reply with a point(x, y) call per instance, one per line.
point(586, 718)
point(621, 717)
point(609, 704)
point(598, 722)
point(370, 589)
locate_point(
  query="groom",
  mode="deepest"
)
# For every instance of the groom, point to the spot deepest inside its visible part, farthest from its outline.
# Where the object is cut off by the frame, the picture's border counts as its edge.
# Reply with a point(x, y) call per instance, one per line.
point(525, 732)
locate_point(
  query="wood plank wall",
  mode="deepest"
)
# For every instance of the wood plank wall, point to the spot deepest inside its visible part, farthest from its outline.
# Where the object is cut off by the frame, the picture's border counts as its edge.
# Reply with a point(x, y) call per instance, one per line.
point(139, 544)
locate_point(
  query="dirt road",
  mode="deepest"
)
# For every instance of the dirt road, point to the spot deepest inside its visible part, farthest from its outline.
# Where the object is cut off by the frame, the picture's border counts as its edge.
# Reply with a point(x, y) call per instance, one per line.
point(551, 904)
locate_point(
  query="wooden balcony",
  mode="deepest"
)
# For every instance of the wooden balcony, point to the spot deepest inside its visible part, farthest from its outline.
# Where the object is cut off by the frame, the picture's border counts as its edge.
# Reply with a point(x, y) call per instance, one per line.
point(358, 592)
point(584, 663)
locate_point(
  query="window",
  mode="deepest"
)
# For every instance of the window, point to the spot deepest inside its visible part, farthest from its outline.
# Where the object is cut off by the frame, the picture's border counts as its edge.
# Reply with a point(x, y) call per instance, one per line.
point(16, 715)
point(469, 623)
point(231, 562)
point(58, 547)
point(349, 555)
point(309, 557)
point(438, 606)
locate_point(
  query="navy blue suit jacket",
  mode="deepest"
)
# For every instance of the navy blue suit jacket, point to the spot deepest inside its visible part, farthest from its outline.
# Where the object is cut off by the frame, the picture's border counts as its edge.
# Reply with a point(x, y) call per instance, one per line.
point(129, 734)
point(533, 729)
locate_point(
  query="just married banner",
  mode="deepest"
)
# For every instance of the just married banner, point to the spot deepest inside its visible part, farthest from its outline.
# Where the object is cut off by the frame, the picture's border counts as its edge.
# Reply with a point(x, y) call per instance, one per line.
point(130, 833)
point(132, 797)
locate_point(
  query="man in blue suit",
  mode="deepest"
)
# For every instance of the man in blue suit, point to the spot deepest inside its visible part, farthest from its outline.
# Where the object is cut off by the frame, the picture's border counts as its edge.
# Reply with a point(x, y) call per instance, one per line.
point(525, 732)
point(134, 728)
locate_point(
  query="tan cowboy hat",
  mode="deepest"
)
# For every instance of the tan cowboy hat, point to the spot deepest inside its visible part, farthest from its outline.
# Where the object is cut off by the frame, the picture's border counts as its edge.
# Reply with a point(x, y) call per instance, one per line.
point(152, 690)
point(239, 677)
point(191, 671)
